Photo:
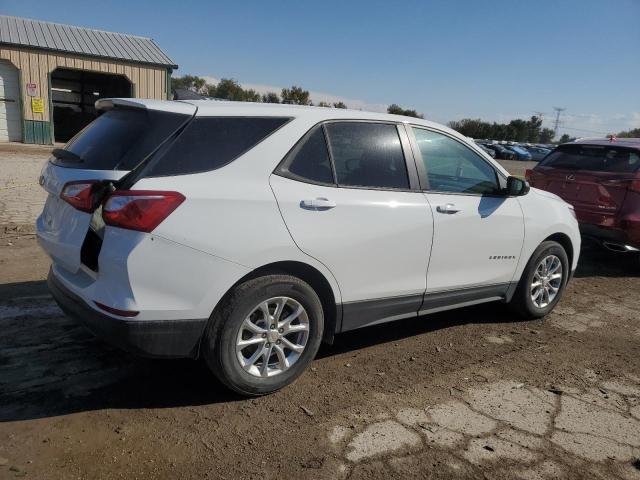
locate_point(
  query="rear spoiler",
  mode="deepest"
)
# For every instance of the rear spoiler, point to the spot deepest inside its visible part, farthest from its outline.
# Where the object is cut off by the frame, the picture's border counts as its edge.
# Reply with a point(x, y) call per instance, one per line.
point(142, 104)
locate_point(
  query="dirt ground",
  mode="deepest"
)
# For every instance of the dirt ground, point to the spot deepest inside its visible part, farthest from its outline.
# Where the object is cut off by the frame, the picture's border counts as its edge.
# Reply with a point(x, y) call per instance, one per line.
point(472, 393)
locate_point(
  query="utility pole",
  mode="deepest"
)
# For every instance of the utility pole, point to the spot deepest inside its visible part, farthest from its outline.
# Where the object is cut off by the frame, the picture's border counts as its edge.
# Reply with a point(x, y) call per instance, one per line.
point(558, 110)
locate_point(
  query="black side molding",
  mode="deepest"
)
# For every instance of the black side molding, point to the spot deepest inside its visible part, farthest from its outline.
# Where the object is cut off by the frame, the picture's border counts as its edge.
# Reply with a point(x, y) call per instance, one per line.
point(371, 312)
point(453, 298)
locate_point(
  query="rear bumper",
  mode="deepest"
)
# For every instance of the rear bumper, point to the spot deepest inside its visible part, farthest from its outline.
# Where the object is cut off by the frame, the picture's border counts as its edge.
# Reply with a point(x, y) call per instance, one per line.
point(149, 338)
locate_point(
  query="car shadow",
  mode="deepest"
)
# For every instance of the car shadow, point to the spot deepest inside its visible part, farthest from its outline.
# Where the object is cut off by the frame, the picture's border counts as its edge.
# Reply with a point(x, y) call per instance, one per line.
point(596, 261)
point(487, 313)
point(52, 366)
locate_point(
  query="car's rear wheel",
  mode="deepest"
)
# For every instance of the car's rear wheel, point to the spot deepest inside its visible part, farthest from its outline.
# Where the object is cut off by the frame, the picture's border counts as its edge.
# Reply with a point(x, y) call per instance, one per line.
point(264, 334)
point(543, 281)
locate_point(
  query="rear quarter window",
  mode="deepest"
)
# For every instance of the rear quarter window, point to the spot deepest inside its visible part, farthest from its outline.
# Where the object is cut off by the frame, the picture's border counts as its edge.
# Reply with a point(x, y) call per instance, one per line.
point(208, 143)
point(597, 158)
point(120, 138)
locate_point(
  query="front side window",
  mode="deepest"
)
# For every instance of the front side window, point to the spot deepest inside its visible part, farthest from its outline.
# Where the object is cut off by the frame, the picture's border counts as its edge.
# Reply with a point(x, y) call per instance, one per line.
point(452, 167)
point(367, 155)
point(309, 160)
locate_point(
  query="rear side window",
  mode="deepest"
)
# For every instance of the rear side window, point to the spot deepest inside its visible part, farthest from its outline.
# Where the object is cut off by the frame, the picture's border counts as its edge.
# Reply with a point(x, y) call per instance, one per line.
point(208, 143)
point(597, 158)
point(309, 160)
point(120, 138)
point(367, 155)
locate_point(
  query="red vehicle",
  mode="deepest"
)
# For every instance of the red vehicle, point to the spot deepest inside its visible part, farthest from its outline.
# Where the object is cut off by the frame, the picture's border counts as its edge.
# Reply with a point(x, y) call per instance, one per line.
point(601, 179)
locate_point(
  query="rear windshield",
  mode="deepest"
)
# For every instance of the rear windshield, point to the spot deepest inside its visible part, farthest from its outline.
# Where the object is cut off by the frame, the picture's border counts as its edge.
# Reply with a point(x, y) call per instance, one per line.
point(120, 138)
point(208, 143)
point(597, 158)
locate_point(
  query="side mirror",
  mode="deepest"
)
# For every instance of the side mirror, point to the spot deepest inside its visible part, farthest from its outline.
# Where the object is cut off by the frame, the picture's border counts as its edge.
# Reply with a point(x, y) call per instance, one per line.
point(516, 187)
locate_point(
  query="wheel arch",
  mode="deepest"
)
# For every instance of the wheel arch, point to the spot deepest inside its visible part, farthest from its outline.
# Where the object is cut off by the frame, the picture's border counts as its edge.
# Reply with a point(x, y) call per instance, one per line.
point(564, 240)
point(316, 279)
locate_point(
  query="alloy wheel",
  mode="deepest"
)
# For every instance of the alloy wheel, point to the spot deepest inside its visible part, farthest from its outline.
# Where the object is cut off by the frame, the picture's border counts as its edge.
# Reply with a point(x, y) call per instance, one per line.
point(272, 337)
point(547, 280)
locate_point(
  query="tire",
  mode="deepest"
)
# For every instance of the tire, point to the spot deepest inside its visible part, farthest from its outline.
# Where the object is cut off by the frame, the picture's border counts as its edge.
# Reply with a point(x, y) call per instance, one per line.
point(243, 303)
point(522, 301)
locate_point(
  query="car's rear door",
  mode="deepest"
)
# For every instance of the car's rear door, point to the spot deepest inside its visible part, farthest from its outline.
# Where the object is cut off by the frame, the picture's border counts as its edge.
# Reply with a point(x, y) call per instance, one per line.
point(353, 204)
point(105, 150)
point(478, 231)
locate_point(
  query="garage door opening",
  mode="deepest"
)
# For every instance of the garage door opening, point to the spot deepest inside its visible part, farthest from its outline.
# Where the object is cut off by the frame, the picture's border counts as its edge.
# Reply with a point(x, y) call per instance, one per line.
point(10, 115)
point(73, 95)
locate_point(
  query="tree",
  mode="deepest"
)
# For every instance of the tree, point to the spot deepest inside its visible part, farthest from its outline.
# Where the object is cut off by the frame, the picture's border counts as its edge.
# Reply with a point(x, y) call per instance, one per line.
point(339, 105)
point(270, 97)
point(230, 89)
point(295, 96)
point(634, 133)
point(474, 128)
point(323, 104)
point(517, 130)
point(210, 90)
point(534, 128)
point(251, 95)
point(546, 135)
point(398, 110)
point(190, 82)
point(565, 138)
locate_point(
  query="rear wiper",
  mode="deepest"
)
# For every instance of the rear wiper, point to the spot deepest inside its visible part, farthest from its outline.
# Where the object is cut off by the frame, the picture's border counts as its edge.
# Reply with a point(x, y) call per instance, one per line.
point(62, 154)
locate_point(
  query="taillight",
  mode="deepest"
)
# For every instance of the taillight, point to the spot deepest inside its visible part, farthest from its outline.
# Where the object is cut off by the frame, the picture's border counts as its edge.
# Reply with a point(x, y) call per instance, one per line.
point(80, 195)
point(635, 185)
point(141, 210)
point(528, 175)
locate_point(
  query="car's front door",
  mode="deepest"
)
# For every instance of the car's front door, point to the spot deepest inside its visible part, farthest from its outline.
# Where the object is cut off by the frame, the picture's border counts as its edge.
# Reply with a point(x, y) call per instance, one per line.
point(357, 208)
point(478, 231)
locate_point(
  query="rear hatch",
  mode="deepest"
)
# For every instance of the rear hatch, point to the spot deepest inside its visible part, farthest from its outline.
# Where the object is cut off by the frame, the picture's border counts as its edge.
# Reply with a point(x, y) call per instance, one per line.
point(593, 178)
point(127, 133)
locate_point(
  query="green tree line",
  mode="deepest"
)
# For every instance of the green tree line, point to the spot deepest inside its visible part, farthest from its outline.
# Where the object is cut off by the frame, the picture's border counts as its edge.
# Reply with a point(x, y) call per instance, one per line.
point(633, 133)
point(517, 130)
point(230, 89)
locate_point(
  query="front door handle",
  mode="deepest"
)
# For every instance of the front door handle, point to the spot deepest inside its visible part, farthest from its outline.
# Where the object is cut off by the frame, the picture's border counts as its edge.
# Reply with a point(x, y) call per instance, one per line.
point(320, 203)
point(448, 208)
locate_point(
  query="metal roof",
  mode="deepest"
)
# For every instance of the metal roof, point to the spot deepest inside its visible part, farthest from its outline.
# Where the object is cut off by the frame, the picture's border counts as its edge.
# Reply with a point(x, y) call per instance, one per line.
point(81, 41)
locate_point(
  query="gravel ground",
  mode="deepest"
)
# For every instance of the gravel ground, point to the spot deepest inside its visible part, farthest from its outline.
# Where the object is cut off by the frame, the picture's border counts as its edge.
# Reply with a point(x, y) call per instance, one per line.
point(472, 393)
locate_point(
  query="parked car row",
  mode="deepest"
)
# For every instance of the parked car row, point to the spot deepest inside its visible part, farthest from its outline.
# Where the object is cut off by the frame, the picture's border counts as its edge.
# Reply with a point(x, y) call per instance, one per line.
point(515, 151)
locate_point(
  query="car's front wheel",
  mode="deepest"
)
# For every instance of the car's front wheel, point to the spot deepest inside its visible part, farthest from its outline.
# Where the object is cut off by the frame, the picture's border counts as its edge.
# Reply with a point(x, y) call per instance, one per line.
point(264, 334)
point(543, 281)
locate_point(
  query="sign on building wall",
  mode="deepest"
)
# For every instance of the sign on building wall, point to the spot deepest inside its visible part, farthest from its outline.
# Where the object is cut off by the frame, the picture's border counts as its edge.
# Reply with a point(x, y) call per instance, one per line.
point(32, 89)
point(37, 105)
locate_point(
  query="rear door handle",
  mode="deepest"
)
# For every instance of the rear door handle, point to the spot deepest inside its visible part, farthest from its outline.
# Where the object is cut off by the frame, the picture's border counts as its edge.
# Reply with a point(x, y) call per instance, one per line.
point(317, 204)
point(448, 208)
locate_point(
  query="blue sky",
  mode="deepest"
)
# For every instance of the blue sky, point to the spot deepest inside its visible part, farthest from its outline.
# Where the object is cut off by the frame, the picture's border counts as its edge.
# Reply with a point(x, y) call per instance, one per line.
point(494, 60)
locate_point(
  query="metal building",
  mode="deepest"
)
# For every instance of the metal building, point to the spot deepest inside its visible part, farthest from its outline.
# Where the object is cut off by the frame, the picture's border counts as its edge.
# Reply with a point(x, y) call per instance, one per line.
point(52, 74)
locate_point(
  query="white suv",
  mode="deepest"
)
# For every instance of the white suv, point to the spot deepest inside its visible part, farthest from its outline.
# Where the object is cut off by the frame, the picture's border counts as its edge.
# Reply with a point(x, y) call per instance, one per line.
point(249, 233)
